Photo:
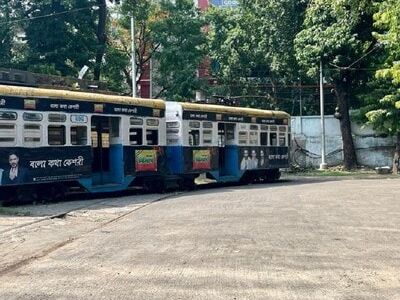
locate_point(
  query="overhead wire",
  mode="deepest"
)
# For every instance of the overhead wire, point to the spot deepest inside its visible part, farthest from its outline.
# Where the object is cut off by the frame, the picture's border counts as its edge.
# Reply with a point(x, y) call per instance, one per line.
point(49, 15)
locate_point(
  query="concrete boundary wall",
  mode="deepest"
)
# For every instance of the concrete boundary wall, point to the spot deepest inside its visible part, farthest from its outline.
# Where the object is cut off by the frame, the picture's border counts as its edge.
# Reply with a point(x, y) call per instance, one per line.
point(372, 150)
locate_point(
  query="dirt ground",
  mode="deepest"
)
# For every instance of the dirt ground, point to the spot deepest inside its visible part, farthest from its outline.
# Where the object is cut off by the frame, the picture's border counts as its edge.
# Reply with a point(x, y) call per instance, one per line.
point(297, 239)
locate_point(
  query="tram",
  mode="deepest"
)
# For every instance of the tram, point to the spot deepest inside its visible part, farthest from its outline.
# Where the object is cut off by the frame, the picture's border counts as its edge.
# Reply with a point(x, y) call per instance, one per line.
point(229, 144)
point(52, 141)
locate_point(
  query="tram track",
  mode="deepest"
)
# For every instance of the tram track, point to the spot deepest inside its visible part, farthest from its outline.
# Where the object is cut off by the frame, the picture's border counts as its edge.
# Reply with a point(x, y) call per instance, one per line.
point(45, 251)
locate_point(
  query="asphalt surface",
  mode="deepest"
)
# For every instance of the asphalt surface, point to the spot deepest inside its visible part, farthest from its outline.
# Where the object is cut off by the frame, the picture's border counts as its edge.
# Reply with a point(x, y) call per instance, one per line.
point(292, 240)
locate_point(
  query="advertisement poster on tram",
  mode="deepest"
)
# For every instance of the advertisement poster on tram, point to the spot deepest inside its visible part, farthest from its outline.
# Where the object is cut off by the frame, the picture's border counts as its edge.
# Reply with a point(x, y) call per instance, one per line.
point(145, 160)
point(36, 165)
point(201, 159)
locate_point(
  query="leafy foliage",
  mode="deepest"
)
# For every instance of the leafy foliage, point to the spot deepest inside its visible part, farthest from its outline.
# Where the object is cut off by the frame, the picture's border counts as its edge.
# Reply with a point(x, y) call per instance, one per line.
point(251, 48)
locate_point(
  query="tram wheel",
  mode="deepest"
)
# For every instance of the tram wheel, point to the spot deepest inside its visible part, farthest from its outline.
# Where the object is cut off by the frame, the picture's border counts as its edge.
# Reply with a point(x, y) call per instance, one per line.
point(52, 193)
point(189, 184)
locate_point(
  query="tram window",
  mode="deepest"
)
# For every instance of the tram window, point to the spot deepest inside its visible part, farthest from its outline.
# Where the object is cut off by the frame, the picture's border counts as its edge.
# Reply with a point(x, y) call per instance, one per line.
point(194, 137)
point(173, 131)
point(57, 118)
point(78, 135)
point(230, 133)
point(94, 137)
point(282, 139)
point(194, 124)
point(273, 128)
point(6, 126)
point(207, 125)
point(114, 127)
point(264, 138)
point(282, 128)
point(151, 137)
point(253, 127)
point(289, 140)
point(273, 141)
point(32, 116)
point(253, 138)
point(7, 134)
point(207, 136)
point(105, 140)
point(242, 137)
point(264, 127)
point(56, 134)
point(8, 115)
point(32, 134)
point(136, 136)
point(152, 122)
point(136, 121)
point(173, 124)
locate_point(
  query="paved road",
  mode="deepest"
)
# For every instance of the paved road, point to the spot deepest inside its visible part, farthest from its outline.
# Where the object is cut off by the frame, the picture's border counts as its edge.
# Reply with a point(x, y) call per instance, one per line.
point(296, 240)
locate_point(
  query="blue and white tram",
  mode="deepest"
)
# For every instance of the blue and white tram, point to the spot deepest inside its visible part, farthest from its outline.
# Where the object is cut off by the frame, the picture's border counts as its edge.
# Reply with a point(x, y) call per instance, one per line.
point(50, 139)
point(229, 144)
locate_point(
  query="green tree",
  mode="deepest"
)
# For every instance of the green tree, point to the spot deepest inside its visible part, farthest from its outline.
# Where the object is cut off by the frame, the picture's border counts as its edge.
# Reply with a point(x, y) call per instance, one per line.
point(252, 50)
point(181, 49)
point(10, 48)
point(64, 35)
point(170, 35)
point(339, 33)
point(384, 114)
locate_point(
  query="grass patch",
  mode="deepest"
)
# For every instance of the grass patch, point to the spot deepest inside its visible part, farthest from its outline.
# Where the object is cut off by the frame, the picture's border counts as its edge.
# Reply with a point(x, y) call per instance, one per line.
point(334, 172)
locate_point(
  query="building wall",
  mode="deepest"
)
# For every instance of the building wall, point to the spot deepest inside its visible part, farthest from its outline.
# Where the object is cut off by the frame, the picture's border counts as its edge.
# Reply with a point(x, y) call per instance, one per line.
point(372, 150)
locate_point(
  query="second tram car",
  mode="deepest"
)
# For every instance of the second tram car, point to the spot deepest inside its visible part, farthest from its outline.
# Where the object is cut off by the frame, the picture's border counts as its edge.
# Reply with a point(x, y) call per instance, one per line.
point(229, 144)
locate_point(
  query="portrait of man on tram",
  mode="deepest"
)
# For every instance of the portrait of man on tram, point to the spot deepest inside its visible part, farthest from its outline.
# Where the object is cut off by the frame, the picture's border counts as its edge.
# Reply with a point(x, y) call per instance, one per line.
point(14, 174)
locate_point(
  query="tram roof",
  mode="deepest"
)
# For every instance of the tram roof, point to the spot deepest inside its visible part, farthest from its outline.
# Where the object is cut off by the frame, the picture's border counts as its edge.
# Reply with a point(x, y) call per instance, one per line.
point(242, 111)
point(18, 91)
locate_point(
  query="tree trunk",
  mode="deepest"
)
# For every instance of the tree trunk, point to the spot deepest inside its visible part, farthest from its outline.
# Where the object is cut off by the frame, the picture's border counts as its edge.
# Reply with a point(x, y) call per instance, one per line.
point(101, 38)
point(349, 152)
point(396, 158)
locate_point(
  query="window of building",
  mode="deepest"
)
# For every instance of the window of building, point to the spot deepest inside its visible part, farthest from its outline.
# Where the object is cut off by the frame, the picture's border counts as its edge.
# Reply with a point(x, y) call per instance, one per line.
point(56, 134)
point(194, 137)
point(136, 136)
point(32, 116)
point(57, 118)
point(78, 135)
point(32, 134)
point(8, 134)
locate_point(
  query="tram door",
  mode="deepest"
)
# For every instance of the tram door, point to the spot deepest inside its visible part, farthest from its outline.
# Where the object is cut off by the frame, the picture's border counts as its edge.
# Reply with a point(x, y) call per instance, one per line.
point(226, 139)
point(103, 133)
